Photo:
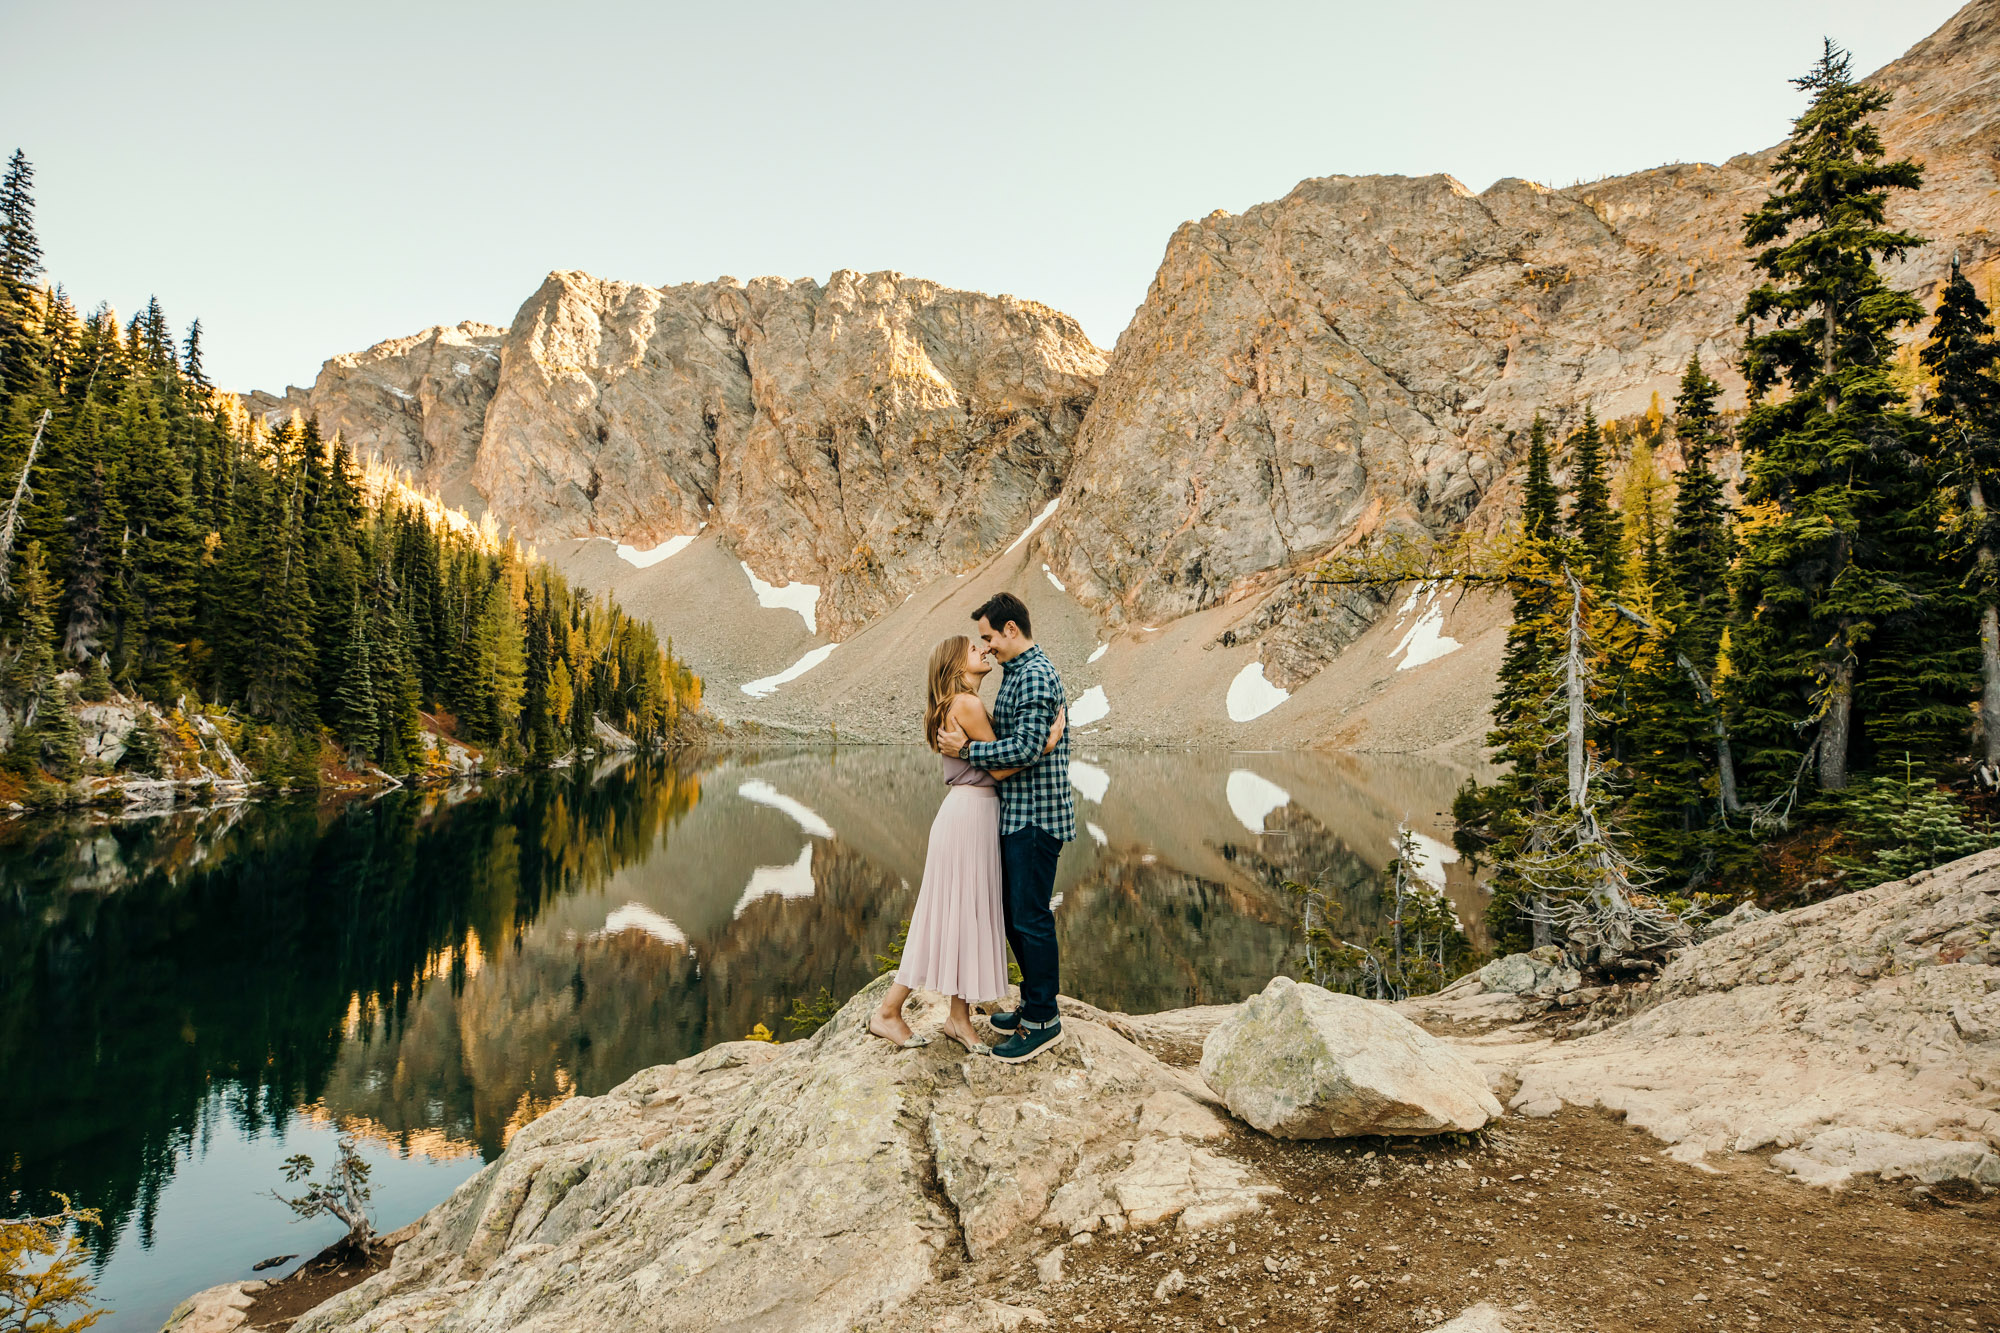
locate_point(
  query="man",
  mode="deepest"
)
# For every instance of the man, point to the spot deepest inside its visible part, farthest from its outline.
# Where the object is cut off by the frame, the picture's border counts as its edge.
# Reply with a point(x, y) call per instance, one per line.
point(1036, 816)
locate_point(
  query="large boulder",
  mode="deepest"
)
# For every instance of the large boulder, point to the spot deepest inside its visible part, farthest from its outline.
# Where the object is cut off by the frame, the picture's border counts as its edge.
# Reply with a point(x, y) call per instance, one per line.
point(215, 1310)
point(1301, 1062)
point(1542, 972)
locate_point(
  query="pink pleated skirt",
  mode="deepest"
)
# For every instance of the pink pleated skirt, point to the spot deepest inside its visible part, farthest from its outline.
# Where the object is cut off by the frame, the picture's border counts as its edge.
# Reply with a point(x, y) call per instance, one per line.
point(957, 942)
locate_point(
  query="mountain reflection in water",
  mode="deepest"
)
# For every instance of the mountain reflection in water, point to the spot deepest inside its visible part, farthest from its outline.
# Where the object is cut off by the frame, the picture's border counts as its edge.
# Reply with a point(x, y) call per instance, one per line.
point(433, 969)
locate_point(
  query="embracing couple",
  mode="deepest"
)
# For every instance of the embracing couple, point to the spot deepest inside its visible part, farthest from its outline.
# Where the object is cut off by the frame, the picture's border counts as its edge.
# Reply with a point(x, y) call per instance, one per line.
point(991, 868)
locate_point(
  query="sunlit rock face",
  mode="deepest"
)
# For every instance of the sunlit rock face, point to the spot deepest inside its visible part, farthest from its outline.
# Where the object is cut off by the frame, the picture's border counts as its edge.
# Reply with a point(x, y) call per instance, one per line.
point(417, 404)
point(863, 436)
point(1366, 353)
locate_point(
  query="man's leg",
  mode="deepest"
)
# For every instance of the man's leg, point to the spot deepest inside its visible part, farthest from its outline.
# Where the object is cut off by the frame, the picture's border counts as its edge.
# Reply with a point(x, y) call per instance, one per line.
point(1028, 875)
point(1007, 878)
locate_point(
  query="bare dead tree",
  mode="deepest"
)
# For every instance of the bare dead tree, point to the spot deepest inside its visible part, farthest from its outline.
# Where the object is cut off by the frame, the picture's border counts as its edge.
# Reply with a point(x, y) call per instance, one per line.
point(343, 1195)
point(1588, 892)
point(12, 523)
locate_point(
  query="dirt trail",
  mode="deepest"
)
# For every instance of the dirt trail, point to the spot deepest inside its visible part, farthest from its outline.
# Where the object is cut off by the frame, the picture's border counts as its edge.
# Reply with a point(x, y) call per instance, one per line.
point(1571, 1223)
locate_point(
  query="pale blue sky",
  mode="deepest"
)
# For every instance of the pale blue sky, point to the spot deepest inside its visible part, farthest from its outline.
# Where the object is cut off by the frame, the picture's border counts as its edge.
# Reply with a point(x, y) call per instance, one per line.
point(310, 179)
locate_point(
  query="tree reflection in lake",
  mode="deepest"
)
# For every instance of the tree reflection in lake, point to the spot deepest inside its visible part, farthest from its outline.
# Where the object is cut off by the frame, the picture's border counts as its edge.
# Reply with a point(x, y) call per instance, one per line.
point(148, 961)
point(433, 969)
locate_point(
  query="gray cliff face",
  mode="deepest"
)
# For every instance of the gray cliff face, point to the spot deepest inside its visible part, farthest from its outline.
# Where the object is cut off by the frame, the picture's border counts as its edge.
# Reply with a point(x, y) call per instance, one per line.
point(417, 404)
point(864, 436)
point(1356, 356)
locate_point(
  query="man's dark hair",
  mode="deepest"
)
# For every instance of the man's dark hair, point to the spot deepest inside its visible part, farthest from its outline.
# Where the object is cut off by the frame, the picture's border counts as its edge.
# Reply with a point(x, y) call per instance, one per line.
point(1002, 607)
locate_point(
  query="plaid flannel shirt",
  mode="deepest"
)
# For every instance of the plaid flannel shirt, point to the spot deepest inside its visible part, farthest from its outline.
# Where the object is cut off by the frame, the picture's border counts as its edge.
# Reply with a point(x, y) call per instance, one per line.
point(1030, 694)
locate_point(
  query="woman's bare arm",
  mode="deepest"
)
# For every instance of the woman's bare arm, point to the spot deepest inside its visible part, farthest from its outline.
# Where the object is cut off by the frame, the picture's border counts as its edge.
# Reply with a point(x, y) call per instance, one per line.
point(970, 714)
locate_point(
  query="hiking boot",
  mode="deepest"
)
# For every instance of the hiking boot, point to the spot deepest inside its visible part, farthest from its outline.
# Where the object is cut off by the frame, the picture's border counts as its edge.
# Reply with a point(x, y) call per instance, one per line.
point(1005, 1022)
point(1029, 1040)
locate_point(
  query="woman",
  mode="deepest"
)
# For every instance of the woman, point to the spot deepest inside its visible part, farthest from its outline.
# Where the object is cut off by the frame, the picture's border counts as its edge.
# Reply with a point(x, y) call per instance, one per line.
point(957, 943)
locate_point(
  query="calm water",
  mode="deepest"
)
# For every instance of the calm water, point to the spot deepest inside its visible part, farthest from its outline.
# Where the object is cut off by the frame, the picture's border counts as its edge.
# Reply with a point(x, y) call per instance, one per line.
point(190, 999)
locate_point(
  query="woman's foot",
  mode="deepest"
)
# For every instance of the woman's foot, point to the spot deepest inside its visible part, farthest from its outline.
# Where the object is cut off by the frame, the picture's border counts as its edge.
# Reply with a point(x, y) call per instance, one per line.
point(962, 1032)
point(892, 1029)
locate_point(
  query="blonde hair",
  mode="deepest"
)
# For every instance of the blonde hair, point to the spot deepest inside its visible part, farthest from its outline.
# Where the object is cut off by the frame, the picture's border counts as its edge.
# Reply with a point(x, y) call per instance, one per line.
point(947, 682)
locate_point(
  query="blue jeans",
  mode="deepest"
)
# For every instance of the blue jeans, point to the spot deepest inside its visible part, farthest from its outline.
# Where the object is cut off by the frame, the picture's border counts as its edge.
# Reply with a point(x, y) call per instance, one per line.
point(1027, 881)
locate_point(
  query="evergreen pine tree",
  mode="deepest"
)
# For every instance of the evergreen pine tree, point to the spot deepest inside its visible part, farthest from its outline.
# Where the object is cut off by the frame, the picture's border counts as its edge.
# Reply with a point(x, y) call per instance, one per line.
point(191, 357)
point(56, 733)
point(465, 688)
point(33, 668)
point(1591, 517)
point(1490, 820)
point(20, 265)
point(1698, 545)
point(283, 662)
point(537, 722)
point(1906, 823)
point(142, 745)
point(500, 658)
point(1835, 546)
point(398, 692)
point(89, 563)
point(96, 682)
point(1965, 415)
point(61, 334)
point(46, 703)
point(163, 549)
point(1597, 556)
point(330, 551)
point(355, 719)
point(156, 339)
point(1681, 783)
point(20, 248)
point(1499, 822)
point(1541, 508)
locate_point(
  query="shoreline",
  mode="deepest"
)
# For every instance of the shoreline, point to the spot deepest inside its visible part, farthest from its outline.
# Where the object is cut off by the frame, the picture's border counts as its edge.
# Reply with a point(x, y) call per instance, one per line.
point(141, 796)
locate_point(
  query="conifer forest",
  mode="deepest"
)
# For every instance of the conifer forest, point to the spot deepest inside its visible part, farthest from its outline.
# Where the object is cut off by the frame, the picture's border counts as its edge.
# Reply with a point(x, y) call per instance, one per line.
point(248, 591)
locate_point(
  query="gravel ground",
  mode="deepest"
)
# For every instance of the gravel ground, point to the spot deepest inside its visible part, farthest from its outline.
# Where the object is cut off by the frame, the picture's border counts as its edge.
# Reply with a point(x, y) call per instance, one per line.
point(1569, 1223)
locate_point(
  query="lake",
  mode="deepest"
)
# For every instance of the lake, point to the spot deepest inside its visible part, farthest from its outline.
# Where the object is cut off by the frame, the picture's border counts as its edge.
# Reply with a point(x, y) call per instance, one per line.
point(191, 998)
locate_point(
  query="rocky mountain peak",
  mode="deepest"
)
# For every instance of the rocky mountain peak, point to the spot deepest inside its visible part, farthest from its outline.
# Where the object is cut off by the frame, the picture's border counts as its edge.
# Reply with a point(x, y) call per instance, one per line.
point(1366, 352)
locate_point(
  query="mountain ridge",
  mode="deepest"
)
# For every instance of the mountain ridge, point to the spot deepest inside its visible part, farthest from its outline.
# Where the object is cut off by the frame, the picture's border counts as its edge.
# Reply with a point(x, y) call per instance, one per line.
point(1356, 357)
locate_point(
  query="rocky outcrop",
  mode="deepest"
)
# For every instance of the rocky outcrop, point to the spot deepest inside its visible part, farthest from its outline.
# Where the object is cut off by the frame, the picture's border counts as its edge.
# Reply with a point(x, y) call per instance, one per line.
point(1359, 355)
point(809, 1186)
point(417, 404)
point(1861, 1034)
point(1300, 1062)
point(837, 1182)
